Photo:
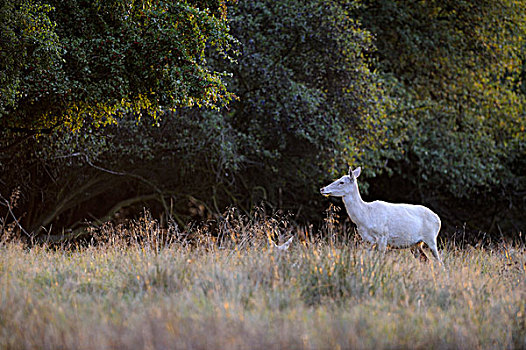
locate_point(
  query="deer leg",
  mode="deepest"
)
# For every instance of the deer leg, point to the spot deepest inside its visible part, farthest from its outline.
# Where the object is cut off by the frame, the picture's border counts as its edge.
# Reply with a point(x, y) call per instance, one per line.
point(434, 250)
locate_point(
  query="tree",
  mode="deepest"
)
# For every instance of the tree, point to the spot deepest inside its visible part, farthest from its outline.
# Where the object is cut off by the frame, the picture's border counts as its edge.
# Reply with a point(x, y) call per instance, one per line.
point(456, 70)
point(79, 65)
point(69, 63)
point(308, 104)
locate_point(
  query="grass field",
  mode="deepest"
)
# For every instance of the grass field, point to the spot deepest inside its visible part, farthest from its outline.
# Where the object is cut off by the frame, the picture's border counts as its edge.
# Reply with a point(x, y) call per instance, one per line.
point(236, 292)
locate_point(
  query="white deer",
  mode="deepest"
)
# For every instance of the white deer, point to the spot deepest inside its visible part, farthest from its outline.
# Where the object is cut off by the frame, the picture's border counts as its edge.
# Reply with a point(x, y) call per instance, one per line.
point(382, 223)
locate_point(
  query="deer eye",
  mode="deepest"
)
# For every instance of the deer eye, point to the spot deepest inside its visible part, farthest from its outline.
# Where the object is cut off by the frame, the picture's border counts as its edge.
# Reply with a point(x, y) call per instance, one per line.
point(341, 182)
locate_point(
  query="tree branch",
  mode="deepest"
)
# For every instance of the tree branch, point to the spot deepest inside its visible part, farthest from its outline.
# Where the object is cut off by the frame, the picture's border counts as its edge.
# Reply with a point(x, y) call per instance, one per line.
point(82, 231)
point(9, 209)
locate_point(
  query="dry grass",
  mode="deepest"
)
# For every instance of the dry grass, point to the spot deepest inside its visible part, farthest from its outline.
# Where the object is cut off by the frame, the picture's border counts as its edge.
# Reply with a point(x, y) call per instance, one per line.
point(235, 292)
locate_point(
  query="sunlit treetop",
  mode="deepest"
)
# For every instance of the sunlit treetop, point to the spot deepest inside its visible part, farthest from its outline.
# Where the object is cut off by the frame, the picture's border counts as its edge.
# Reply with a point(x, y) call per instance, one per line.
point(68, 63)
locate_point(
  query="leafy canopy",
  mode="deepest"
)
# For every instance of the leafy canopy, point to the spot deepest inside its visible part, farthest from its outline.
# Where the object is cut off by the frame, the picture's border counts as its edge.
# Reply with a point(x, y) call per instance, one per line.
point(65, 63)
point(456, 70)
point(308, 100)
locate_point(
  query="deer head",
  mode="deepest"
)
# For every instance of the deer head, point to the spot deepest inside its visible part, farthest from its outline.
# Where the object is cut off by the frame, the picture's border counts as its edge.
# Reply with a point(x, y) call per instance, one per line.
point(343, 186)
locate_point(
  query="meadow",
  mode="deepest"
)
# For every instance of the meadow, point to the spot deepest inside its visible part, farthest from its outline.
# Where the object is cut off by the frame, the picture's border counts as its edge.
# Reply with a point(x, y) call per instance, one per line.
point(138, 286)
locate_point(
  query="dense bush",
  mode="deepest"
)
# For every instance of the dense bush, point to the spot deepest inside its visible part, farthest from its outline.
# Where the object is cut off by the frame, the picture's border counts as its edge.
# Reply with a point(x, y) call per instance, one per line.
point(308, 102)
point(456, 70)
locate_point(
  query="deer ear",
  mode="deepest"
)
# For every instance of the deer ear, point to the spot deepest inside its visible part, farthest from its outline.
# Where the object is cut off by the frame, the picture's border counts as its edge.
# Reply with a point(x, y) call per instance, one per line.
point(356, 172)
point(350, 171)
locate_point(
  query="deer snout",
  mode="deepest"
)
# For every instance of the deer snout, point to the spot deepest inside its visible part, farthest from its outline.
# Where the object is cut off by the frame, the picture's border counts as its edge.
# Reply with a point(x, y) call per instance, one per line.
point(324, 191)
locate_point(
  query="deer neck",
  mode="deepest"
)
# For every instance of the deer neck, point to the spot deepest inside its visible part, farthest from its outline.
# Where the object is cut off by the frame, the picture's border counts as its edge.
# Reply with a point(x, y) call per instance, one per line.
point(356, 207)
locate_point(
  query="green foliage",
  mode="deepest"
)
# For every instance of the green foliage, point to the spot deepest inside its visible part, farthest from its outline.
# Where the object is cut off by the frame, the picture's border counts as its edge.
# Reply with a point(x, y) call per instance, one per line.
point(28, 42)
point(456, 71)
point(308, 102)
point(76, 62)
